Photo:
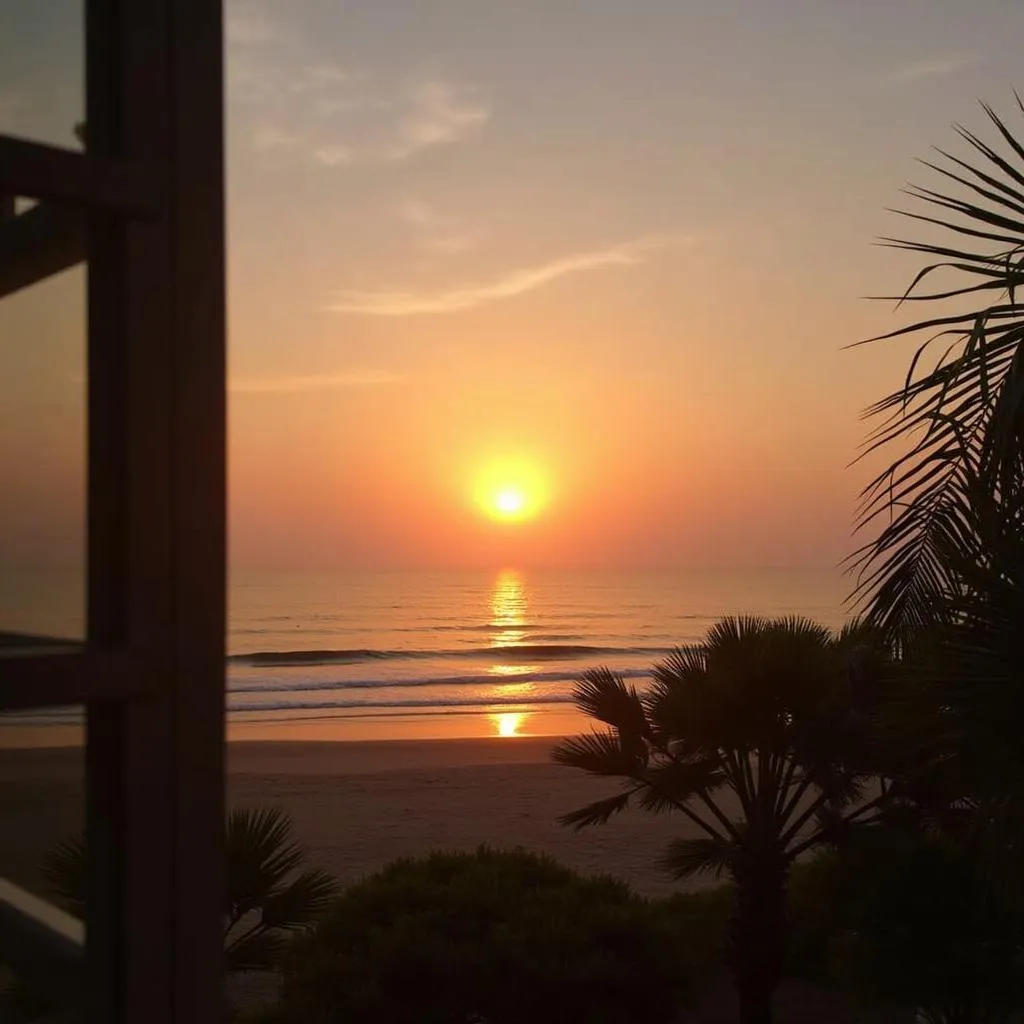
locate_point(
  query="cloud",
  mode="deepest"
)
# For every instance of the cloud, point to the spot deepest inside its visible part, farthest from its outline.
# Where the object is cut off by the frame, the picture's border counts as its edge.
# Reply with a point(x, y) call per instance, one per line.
point(323, 382)
point(438, 113)
point(932, 67)
point(420, 214)
point(517, 282)
point(450, 245)
point(290, 96)
point(436, 232)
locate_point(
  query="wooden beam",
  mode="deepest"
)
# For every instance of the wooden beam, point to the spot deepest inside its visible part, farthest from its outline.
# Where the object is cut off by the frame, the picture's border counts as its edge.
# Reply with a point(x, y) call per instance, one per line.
point(38, 243)
point(47, 677)
point(76, 179)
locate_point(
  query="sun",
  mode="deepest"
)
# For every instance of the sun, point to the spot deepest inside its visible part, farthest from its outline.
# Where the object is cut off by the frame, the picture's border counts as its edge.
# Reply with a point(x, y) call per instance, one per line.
point(510, 491)
point(510, 501)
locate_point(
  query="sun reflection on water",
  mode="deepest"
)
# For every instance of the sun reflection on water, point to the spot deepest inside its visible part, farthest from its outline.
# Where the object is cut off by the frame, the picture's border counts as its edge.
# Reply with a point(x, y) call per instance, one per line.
point(509, 723)
point(508, 620)
point(512, 670)
point(508, 609)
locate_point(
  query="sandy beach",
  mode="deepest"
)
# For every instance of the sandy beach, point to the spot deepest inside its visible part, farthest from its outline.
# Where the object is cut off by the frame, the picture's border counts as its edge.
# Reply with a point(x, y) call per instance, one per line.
point(357, 805)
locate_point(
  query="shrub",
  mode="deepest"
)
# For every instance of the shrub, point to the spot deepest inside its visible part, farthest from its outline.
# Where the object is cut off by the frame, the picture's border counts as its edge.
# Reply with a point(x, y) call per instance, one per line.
point(491, 937)
point(901, 921)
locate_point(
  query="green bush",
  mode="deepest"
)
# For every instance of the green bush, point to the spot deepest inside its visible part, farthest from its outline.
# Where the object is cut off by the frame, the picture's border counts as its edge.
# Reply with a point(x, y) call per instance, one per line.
point(901, 921)
point(699, 923)
point(816, 914)
point(492, 937)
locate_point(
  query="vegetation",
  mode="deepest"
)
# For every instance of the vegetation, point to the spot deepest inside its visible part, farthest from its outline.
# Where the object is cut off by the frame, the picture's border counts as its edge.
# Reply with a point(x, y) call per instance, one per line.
point(492, 937)
point(944, 579)
point(759, 738)
point(903, 921)
point(938, 923)
point(269, 896)
point(953, 490)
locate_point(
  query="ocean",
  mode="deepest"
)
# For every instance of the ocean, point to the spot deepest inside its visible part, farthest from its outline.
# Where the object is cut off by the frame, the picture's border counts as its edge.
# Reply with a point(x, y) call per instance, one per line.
point(389, 655)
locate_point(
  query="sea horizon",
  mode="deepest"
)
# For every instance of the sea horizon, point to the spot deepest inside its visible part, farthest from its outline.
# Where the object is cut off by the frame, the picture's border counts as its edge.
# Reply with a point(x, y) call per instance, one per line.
point(424, 654)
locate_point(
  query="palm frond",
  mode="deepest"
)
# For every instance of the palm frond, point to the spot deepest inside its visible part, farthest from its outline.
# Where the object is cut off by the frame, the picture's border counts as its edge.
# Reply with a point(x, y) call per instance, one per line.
point(301, 901)
point(258, 951)
point(601, 753)
point(598, 812)
point(260, 854)
point(964, 416)
point(681, 664)
point(673, 782)
point(734, 630)
point(685, 858)
point(604, 695)
point(65, 872)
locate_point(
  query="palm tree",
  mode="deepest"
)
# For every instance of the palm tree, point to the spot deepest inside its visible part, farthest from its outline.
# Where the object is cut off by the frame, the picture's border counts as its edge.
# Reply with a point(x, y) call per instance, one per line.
point(944, 577)
point(267, 895)
point(957, 423)
point(767, 716)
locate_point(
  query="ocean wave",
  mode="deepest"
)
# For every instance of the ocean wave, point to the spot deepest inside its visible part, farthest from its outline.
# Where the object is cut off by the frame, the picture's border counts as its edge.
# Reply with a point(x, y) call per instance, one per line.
point(357, 705)
point(513, 652)
point(489, 679)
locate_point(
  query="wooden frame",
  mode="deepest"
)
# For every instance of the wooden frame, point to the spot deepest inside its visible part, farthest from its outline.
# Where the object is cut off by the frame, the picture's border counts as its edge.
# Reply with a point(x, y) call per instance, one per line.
point(149, 196)
point(76, 179)
point(39, 243)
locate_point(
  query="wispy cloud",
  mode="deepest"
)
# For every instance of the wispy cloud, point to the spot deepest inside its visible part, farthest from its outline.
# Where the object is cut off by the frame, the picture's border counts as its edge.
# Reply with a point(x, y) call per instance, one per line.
point(517, 282)
point(438, 113)
point(321, 382)
point(291, 96)
point(435, 231)
point(932, 67)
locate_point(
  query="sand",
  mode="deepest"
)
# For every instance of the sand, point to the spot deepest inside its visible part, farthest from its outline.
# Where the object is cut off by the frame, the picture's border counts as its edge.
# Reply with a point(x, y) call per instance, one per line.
point(357, 805)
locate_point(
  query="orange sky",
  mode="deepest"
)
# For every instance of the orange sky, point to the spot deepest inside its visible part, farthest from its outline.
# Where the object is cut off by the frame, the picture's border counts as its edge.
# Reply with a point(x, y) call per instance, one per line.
point(625, 242)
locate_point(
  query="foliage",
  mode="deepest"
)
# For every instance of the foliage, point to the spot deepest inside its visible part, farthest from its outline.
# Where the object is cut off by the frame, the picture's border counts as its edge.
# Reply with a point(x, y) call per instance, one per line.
point(495, 937)
point(700, 922)
point(65, 872)
point(813, 917)
point(958, 423)
point(944, 578)
point(267, 896)
point(902, 921)
point(769, 716)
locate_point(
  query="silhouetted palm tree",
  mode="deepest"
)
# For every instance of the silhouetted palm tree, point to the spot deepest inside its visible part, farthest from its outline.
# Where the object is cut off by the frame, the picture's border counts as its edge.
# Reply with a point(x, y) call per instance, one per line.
point(944, 578)
point(759, 738)
point(957, 423)
point(267, 895)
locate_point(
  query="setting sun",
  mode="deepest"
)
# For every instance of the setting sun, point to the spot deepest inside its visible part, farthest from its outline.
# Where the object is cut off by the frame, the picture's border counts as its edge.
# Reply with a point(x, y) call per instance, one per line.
point(509, 501)
point(510, 491)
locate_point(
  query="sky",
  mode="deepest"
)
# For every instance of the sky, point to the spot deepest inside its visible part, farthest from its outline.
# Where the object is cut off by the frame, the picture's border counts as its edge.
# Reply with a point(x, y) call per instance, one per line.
point(619, 246)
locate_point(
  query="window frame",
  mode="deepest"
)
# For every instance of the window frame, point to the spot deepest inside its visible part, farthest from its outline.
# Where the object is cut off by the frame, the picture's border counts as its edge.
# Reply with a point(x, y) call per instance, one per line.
point(145, 204)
